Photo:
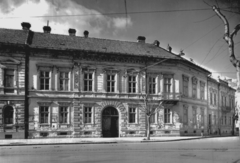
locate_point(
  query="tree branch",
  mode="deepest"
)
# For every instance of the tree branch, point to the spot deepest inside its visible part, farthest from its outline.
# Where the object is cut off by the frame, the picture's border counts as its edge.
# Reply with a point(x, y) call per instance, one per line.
point(226, 24)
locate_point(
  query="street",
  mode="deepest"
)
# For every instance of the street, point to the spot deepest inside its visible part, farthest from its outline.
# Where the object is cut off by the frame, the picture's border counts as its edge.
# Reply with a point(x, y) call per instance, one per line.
point(211, 150)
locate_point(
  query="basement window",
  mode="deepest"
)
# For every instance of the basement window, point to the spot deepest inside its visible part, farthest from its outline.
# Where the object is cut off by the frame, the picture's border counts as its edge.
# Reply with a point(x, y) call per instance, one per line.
point(167, 132)
point(43, 134)
point(132, 132)
point(62, 133)
point(87, 133)
point(8, 136)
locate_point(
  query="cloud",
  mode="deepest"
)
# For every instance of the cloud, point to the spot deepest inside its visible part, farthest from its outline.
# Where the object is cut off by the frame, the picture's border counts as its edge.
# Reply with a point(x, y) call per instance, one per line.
point(13, 12)
point(122, 22)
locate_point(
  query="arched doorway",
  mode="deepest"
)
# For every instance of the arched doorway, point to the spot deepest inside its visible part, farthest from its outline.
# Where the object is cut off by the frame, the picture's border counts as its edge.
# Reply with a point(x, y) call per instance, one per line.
point(110, 122)
point(8, 115)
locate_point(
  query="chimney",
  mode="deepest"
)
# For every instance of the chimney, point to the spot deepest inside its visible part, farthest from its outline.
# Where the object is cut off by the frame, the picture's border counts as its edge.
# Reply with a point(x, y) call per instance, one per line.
point(72, 32)
point(169, 48)
point(85, 33)
point(26, 25)
point(156, 43)
point(141, 39)
point(181, 53)
point(46, 29)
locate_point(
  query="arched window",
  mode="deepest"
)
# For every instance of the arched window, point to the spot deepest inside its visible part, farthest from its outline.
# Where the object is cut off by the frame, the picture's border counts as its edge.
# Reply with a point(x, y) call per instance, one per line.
point(8, 115)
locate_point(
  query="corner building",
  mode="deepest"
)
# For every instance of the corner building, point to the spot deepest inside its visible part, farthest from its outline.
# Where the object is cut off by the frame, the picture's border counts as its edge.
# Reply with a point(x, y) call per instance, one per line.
point(90, 87)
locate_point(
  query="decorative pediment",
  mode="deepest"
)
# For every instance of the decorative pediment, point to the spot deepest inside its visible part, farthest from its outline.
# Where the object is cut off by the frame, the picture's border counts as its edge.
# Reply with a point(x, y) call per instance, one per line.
point(9, 60)
point(185, 78)
point(44, 66)
point(185, 106)
point(194, 80)
point(46, 103)
point(202, 84)
point(88, 69)
point(111, 70)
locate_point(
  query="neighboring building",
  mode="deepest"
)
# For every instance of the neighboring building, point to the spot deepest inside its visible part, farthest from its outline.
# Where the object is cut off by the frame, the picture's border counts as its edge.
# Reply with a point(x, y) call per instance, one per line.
point(12, 89)
point(221, 109)
point(89, 87)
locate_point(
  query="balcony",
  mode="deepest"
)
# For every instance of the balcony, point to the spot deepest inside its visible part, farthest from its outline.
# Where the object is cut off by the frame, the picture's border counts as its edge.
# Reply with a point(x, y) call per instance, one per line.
point(170, 98)
point(226, 108)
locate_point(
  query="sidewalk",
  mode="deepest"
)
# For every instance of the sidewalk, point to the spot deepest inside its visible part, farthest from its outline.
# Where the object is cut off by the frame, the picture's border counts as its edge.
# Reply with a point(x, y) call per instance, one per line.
point(58, 141)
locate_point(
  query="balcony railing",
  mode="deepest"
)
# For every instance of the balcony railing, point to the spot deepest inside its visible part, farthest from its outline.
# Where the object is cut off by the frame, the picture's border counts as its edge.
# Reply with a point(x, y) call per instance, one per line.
point(170, 96)
point(226, 108)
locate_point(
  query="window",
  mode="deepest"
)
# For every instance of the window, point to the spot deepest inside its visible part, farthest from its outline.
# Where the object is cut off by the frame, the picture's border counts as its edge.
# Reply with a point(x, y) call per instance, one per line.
point(202, 90)
point(185, 116)
point(211, 98)
point(64, 81)
point(44, 80)
point(215, 99)
point(9, 80)
point(44, 114)
point(152, 118)
point(8, 115)
point(185, 86)
point(194, 116)
point(63, 114)
point(88, 81)
point(215, 119)
point(132, 84)
point(225, 119)
point(152, 85)
point(194, 87)
point(167, 116)
point(202, 116)
point(110, 82)
point(87, 114)
point(167, 84)
point(230, 120)
point(132, 115)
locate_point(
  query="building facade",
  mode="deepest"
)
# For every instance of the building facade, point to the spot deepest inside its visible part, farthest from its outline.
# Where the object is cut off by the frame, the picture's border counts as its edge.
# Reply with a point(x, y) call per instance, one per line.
point(89, 87)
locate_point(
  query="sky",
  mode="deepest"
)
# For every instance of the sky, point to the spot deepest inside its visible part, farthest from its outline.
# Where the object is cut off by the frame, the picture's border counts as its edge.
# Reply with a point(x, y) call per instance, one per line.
point(188, 25)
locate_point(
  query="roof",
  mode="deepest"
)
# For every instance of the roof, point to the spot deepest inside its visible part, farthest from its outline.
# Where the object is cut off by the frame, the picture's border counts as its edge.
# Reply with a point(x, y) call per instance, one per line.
point(66, 42)
point(13, 36)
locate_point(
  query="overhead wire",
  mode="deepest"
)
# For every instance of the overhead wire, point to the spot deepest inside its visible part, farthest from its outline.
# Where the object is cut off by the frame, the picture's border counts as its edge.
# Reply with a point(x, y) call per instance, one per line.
point(210, 50)
point(117, 13)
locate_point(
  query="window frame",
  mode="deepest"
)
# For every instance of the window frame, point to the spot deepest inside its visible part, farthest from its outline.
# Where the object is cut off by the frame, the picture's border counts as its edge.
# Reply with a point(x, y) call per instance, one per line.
point(44, 78)
point(167, 116)
point(152, 84)
point(44, 114)
point(64, 79)
point(132, 115)
point(111, 82)
point(65, 116)
point(167, 84)
point(194, 116)
point(185, 115)
point(88, 115)
point(132, 84)
point(202, 90)
point(4, 116)
point(194, 87)
point(185, 86)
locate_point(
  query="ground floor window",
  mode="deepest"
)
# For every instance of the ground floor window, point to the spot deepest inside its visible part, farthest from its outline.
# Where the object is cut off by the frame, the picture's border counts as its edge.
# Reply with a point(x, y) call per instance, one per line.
point(185, 116)
point(44, 114)
point(132, 115)
point(8, 115)
point(87, 114)
point(153, 118)
point(63, 114)
point(167, 116)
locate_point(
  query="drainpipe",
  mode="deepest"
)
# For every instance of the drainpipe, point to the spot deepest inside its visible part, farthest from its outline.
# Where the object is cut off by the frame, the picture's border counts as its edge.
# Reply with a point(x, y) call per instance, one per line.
point(27, 54)
point(219, 119)
point(26, 117)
